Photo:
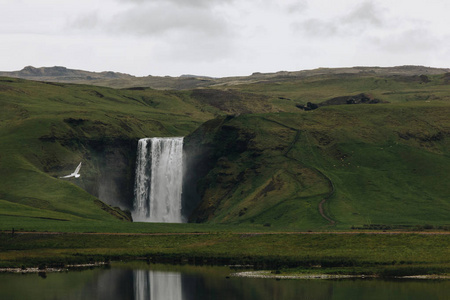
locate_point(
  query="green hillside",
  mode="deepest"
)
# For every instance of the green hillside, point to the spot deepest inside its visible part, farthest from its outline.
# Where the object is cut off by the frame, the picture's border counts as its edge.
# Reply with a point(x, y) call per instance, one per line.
point(265, 162)
point(371, 165)
point(47, 129)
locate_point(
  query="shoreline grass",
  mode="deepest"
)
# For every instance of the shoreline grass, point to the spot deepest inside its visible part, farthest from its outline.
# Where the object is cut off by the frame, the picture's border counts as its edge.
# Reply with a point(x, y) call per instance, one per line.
point(402, 254)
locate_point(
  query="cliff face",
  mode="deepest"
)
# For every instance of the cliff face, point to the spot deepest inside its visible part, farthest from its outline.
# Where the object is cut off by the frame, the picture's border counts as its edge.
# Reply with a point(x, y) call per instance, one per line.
point(107, 164)
point(200, 158)
point(112, 177)
point(210, 151)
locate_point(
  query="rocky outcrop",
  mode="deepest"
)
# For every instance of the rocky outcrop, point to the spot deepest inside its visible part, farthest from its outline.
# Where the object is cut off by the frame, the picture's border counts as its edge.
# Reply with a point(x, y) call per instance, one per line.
point(343, 100)
point(108, 163)
point(356, 99)
point(115, 163)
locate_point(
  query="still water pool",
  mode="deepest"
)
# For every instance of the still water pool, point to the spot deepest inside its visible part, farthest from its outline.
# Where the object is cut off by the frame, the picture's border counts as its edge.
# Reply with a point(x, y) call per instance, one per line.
point(162, 282)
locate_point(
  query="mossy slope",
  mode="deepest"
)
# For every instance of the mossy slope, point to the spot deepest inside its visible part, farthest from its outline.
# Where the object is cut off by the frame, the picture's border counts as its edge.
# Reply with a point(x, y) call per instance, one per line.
point(372, 164)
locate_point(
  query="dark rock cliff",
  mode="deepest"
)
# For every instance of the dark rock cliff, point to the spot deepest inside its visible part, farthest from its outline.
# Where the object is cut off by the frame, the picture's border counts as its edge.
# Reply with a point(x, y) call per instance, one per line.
point(208, 148)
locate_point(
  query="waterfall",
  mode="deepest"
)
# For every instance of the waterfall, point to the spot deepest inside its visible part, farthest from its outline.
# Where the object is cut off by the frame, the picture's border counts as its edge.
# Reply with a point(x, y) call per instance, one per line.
point(159, 175)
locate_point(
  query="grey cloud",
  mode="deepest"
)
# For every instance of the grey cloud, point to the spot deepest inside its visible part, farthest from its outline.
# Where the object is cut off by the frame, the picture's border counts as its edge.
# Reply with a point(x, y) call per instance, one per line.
point(156, 20)
point(315, 27)
point(408, 41)
point(365, 15)
point(196, 50)
point(197, 33)
point(297, 7)
point(86, 21)
point(193, 3)
point(157, 17)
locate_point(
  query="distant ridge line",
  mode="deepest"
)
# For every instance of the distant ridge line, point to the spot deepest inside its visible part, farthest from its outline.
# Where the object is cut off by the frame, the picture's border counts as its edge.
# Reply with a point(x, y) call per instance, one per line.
point(122, 80)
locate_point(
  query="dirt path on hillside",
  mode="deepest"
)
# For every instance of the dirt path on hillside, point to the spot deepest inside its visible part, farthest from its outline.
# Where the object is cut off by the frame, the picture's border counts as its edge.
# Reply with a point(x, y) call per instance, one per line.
point(329, 182)
point(321, 211)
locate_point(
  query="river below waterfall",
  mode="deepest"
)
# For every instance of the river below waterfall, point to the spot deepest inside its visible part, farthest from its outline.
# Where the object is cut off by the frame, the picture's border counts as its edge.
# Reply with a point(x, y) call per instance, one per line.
point(163, 282)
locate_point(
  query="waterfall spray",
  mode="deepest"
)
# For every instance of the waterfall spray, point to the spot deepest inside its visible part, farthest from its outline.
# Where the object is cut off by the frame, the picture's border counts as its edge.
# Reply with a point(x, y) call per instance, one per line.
point(158, 184)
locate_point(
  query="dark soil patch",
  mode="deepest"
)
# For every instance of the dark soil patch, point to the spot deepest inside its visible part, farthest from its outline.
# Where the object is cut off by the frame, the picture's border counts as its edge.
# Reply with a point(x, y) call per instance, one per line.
point(343, 100)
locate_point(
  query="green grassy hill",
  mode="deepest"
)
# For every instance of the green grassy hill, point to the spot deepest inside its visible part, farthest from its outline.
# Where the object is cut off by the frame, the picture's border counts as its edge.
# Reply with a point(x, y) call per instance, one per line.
point(268, 163)
point(47, 129)
point(371, 166)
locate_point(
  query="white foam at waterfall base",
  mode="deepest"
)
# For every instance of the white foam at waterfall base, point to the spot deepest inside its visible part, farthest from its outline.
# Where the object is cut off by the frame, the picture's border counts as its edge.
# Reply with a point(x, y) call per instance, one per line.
point(158, 184)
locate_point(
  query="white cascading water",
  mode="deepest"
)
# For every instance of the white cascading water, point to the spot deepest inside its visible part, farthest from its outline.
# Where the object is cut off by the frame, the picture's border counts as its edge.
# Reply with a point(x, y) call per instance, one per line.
point(159, 176)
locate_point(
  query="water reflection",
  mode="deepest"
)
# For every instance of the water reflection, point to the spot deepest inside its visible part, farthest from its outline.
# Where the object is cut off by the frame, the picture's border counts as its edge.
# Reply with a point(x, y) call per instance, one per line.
point(157, 285)
point(159, 282)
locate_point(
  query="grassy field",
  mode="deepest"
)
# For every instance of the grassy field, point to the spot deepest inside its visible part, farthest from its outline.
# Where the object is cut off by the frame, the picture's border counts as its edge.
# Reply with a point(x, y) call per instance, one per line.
point(401, 254)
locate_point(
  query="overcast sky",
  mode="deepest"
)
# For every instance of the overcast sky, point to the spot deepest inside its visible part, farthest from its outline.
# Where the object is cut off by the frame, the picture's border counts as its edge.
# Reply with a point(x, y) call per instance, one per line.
point(222, 37)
